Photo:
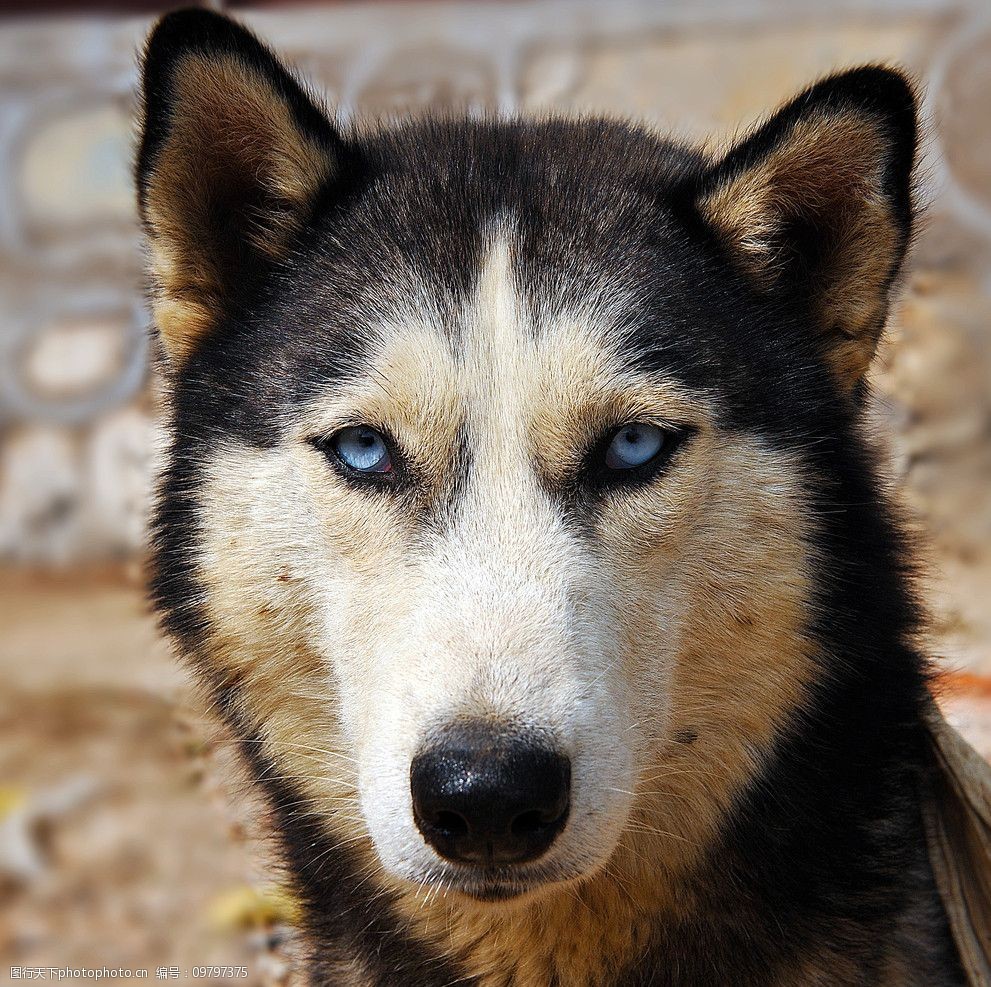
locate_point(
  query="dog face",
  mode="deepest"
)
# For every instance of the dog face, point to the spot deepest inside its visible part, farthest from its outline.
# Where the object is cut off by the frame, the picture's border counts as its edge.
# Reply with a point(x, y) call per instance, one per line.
point(488, 505)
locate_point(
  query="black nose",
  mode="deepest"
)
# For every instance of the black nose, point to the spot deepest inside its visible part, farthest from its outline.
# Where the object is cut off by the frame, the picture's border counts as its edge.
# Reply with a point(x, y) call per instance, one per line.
point(485, 795)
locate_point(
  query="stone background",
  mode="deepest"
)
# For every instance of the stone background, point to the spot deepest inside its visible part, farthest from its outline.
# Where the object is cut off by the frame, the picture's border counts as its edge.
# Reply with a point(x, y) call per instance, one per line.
point(105, 761)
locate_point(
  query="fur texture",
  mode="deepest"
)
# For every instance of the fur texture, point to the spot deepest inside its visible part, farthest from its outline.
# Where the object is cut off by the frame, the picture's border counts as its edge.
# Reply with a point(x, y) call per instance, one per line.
point(722, 641)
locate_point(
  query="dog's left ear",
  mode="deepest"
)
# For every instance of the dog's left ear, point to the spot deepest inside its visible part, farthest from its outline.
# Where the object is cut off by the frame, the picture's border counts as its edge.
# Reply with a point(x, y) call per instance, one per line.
point(818, 201)
point(233, 156)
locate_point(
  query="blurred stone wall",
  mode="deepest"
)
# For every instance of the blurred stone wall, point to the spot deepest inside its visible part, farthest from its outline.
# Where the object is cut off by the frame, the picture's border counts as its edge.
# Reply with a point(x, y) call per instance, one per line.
point(76, 433)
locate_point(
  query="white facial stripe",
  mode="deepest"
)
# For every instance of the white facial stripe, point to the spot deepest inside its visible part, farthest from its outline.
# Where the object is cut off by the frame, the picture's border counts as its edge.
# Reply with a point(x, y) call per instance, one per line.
point(499, 357)
point(508, 617)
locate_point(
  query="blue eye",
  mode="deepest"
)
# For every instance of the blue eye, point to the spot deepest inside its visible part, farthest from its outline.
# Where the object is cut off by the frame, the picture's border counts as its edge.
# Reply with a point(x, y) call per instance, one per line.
point(634, 445)
point(363, 449)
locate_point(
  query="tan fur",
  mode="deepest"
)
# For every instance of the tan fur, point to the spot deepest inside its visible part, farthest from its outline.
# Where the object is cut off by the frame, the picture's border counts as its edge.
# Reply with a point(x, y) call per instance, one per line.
point(350, 630)
point(826, 171)
point(231, 134)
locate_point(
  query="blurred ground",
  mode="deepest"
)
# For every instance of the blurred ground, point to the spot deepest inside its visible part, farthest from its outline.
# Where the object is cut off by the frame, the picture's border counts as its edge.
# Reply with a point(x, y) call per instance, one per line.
point(127, 836)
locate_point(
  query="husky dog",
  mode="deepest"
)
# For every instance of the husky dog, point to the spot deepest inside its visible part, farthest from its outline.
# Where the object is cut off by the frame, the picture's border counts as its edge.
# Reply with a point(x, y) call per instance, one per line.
point(519, 521)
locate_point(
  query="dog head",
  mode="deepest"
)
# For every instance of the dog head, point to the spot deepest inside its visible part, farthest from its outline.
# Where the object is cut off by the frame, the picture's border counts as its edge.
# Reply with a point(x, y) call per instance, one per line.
point(490, 501)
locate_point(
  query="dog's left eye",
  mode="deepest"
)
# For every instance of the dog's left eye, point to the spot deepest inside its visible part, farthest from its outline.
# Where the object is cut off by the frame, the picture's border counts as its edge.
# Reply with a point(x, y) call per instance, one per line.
point(362, 448)
point(634, 445)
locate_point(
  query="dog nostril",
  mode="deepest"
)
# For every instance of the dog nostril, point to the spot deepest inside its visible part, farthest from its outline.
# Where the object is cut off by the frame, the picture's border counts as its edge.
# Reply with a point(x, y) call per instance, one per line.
point(529, 822)
point(486, 794)
point(450, 824)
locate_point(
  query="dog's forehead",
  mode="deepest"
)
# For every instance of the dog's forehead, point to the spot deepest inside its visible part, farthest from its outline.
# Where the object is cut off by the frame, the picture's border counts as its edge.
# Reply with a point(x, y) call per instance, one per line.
point(570, 228)
point(493, 267)
point(511, 353)
point(497, 294)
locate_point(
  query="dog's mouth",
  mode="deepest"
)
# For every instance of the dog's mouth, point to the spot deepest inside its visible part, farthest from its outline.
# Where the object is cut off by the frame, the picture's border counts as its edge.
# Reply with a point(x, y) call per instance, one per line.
point(499, 884)
point(493, 891)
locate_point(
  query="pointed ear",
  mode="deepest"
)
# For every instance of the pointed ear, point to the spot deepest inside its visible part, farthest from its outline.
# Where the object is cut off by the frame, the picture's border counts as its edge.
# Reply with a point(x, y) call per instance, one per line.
point(818, 201)
point(233, 155)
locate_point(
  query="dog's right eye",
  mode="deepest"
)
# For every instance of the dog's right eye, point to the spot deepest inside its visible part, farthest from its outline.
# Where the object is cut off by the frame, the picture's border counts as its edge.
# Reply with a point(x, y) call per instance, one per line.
point(362, 449)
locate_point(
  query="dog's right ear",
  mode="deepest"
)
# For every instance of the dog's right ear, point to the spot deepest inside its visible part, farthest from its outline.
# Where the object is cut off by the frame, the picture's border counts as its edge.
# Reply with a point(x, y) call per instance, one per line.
point(233, 155)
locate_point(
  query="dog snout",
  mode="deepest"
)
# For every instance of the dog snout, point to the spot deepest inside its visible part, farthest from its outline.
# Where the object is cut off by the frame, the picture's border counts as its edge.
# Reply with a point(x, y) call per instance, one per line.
point(485, 795)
